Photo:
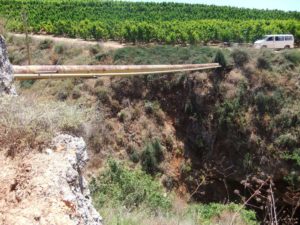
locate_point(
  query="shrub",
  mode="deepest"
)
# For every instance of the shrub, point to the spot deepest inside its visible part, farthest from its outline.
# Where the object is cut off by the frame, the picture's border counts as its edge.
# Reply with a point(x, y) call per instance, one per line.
point(62, 95)
point(151, 157)
point(102, 135)
point(136, 113)
point(169, 143)
point(134, 157)
point(228, 113)
point(268, 103)
point(63, 89)
point(293, 56)
point(59, 49)
point(292, 179)
point(118, 185)
point(45, 44)
point(26, 84)
point(98, 83)
point(154, 108)
point(76, 93)
point(248, 161)
point(240, 57)
point(287, 141)
point(94, 49)
point(263, 63)
point(17, 57)
point(102, 94)
point(122, 116)
point(150, 107)
point(289, 117)
point(149, 161)
point(294, 156)
point(101, 56)
point(185, 168)
point(220, 58)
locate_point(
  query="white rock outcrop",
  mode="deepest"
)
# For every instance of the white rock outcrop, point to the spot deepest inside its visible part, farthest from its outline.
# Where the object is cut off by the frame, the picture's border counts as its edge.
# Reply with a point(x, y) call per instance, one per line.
point(47, 187)
point(76, 193)
point(6, 71)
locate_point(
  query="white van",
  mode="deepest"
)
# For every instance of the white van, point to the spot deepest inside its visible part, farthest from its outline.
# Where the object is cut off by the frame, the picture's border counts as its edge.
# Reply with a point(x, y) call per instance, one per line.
point(277, 41)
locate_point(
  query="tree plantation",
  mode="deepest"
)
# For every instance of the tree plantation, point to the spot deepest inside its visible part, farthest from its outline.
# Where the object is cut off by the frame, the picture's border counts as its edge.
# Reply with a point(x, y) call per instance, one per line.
point(147, 22)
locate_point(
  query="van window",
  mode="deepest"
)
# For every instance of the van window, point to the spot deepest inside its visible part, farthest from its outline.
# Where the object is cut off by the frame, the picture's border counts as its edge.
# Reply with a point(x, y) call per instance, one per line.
point(279, 38)
point(270, 39)
point(288, 38)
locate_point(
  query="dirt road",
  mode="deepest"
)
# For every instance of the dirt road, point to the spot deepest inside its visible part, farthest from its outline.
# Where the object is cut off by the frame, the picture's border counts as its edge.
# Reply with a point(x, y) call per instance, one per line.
point(73, 41)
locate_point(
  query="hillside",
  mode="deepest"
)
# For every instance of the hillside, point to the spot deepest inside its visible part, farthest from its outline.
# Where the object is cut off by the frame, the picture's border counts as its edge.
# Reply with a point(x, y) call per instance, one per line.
point(180, 142)
point(170, 23)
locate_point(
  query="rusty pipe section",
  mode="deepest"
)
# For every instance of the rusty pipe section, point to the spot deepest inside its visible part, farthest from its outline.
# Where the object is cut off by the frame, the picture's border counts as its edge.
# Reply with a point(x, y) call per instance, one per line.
point(68, 71)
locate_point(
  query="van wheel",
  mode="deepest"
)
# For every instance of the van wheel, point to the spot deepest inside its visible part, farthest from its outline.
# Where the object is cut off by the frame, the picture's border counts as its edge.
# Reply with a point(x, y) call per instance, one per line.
point(286, 47)
point(264, 46)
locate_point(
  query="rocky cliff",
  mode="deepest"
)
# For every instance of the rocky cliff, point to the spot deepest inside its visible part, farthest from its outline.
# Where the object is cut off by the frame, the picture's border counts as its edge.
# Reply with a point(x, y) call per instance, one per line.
point(47, 187)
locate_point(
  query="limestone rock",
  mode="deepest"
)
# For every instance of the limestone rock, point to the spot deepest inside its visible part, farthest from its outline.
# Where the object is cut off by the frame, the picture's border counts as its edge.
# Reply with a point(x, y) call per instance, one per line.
point(76, 193)
point(6, 71)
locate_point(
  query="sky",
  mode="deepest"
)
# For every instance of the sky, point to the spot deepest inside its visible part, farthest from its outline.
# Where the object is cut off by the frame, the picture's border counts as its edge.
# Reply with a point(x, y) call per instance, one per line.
point(292, 5)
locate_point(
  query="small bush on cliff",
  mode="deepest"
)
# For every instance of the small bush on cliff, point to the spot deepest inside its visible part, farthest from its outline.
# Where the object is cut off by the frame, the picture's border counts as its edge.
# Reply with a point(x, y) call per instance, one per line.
point(154, 108)
point(60, 48)
point(293, 56)
point(151, 157)
point(102, 94)
point(220, 58)
point(268, 103)
point(26, 84)
point(288, 141)
point(240, 57)
point(294, 156)
point(263, 63)
point(45, 44)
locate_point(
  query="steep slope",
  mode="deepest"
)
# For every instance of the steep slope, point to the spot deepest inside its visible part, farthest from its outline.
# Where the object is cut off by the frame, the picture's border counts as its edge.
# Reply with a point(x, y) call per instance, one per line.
point(223, 136)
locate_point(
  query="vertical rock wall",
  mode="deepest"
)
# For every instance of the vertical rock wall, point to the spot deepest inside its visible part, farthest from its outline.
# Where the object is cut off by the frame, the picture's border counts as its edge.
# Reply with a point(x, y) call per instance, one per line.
point(73, 186)
point(6, 71)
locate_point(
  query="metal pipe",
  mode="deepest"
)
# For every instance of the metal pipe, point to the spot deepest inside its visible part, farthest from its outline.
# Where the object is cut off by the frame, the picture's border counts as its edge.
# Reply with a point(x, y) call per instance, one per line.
point(88, 71)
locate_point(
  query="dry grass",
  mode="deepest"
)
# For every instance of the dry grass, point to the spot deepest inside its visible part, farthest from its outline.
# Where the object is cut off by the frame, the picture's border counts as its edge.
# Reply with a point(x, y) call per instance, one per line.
point(26, 123)
point(114, 216)
point(122, 216)
point(48, 52)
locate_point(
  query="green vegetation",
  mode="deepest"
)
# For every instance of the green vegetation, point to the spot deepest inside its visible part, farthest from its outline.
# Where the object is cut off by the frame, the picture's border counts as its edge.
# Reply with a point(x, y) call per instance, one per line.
point(26, 83)
point(293, 56)
point(151, 157)
point(206, 213)
point(45, 44)
point(240, 57)
point(166, 54)
point(131, 197)
point(148, 22)
point(132, 189)
point(220, 58)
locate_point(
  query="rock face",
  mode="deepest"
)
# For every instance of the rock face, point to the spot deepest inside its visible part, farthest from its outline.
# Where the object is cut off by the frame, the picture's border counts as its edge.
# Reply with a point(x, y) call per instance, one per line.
point(42, 188)
point(77, 194)
point(6, 71)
